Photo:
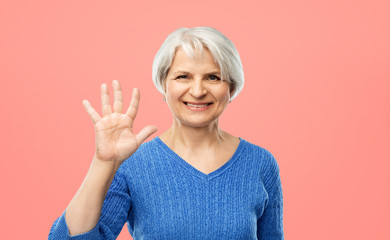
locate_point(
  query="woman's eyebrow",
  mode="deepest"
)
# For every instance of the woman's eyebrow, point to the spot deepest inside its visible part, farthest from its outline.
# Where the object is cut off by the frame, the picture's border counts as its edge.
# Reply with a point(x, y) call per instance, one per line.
point(215, 72)
point(180, 72)
point(185, 72)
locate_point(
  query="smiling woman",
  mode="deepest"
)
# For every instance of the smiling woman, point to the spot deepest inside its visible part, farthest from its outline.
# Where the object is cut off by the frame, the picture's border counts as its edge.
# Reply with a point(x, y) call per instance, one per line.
point(195, 180)
point(194, 92)
point(193, 42)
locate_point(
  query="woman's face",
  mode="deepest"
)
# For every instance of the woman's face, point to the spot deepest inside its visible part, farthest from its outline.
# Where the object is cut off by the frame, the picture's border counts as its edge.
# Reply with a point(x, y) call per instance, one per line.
point(194, 90)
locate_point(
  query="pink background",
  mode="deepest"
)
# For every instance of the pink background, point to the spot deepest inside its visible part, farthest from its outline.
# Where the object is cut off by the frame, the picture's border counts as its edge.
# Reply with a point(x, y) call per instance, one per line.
point(316, 95)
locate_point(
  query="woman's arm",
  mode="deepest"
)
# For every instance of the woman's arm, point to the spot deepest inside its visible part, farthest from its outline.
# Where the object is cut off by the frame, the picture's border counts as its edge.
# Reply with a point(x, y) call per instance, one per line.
point(83, 211)
point(113, 214)
point(115, 142)
point(270, 225)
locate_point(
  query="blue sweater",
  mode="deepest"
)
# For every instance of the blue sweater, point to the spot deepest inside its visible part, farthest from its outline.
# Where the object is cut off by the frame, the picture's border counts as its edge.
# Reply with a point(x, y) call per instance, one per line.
point(161, 196)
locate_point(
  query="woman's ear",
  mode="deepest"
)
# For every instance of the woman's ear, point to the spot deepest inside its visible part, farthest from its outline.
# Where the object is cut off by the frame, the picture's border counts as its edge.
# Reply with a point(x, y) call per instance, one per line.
point(165, 90)
point(164, 85)
point(232, 88)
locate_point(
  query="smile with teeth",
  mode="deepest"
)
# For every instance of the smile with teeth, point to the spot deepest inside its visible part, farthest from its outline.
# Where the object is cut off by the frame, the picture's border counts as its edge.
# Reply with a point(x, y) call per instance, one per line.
point(197, 105)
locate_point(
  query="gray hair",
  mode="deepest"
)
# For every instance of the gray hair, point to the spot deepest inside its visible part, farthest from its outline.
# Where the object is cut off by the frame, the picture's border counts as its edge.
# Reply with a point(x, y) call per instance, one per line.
point(223, 50)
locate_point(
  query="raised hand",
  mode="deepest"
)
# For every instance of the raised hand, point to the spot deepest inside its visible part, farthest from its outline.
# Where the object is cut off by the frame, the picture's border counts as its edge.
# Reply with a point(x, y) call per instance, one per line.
point(114, 136)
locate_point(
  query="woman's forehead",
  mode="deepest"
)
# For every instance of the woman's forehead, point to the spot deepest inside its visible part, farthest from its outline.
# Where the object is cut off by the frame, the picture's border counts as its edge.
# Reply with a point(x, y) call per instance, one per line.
point(185, 63)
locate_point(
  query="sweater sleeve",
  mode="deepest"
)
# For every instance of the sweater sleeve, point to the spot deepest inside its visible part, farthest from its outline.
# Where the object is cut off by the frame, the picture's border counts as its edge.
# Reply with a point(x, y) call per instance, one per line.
point(270, 225)
point(115, 209)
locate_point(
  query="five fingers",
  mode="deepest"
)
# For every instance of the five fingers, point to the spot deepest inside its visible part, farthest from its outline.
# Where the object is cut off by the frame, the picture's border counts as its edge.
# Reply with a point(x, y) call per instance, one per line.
point(118, 108)
point(118, 102)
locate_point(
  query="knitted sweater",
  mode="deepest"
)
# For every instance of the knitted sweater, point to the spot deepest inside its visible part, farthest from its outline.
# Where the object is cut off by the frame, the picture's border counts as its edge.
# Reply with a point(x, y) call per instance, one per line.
point(161, 196)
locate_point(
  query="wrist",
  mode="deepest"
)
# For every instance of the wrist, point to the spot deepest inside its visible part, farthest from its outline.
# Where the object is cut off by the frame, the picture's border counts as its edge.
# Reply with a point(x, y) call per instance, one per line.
point(103, 168)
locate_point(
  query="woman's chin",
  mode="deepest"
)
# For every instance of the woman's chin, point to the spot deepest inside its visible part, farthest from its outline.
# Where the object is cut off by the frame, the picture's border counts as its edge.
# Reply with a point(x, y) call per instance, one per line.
point(200, 123)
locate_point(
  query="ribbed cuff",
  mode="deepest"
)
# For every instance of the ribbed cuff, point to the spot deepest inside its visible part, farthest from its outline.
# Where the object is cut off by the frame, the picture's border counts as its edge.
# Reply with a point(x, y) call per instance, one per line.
point(61, 230)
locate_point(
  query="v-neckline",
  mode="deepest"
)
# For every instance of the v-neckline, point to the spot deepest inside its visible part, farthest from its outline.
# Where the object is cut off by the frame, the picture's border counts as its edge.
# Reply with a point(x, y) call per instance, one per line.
point(173, 155)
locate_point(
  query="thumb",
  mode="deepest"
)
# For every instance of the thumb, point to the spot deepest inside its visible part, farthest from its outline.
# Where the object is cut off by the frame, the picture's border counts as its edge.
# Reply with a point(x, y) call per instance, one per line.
point(145, 133)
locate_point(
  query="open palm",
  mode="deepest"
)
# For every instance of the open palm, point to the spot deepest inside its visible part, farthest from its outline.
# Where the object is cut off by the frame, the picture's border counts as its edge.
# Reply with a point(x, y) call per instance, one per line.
point(114, 136)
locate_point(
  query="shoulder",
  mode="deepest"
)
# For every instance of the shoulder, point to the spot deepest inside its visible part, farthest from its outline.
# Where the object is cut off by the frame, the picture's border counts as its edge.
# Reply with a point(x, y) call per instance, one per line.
point(259, 152)
point(269, 167)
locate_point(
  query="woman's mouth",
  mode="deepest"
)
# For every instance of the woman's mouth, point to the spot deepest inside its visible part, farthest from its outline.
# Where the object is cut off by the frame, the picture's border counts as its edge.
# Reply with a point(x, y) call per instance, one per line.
point(197, 106)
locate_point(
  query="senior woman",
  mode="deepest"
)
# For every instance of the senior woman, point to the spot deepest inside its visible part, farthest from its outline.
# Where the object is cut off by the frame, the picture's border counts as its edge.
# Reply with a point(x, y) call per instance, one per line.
point(194, 181)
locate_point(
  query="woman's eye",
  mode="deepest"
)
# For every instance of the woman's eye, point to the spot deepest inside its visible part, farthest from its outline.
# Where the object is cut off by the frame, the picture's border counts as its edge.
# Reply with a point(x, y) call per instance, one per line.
point(214, 78)
point(182, 77)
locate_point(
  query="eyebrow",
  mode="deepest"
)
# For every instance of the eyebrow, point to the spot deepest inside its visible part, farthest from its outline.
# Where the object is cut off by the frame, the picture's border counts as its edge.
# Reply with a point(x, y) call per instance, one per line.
point(184, 72)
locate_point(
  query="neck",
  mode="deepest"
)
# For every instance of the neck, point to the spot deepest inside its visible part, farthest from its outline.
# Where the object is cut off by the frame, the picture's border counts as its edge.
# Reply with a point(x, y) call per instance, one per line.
point(180, 135)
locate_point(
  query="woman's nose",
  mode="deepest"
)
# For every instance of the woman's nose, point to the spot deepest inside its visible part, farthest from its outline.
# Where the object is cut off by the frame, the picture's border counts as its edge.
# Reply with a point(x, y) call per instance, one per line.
point(198, 89)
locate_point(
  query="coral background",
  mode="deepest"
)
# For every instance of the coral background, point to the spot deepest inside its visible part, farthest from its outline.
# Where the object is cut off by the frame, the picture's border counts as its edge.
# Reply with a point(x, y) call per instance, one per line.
point(316, 95)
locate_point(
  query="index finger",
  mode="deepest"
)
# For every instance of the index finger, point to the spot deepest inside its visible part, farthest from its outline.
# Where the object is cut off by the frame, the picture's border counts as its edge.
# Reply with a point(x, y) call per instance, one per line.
point(133, 108)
